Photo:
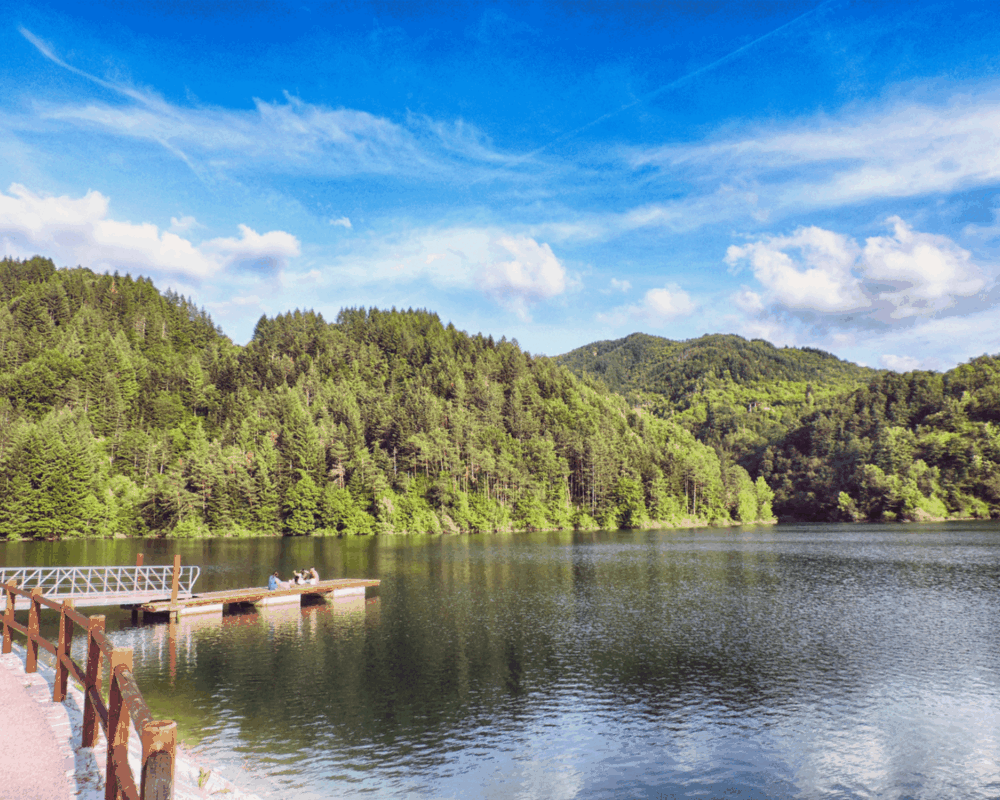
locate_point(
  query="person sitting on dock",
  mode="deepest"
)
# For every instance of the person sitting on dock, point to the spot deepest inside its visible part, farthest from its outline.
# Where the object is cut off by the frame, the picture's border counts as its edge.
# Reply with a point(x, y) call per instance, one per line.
point(274, 582)
point(313, 576)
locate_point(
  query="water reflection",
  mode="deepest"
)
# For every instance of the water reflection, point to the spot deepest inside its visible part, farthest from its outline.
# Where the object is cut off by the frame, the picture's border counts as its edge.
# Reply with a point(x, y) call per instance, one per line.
point(779, 663)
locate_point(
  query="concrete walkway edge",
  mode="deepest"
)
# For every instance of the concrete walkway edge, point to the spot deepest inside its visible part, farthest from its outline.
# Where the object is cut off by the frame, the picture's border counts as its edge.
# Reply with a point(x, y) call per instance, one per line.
point(42, 739)
point(36, 760)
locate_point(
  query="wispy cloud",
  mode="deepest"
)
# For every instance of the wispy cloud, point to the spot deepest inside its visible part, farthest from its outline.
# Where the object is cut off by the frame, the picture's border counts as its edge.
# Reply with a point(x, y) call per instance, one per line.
point(888, 150)
point(282, 136)
point(49, 52)
point(883, 150)
point(678, 216)
point(286, 136)
point(80, 231)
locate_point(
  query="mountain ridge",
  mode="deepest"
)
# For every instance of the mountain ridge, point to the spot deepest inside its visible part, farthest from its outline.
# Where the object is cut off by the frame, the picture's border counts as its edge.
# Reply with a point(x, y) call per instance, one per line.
point(836, 441)
point(717, 356)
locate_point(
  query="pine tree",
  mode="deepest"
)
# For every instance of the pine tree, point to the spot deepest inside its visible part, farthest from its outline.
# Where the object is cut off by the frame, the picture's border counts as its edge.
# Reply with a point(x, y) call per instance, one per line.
point(302, 505)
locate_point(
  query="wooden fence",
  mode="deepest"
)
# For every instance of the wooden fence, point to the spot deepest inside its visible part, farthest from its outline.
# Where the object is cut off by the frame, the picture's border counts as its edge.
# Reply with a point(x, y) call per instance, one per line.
point(125, 703)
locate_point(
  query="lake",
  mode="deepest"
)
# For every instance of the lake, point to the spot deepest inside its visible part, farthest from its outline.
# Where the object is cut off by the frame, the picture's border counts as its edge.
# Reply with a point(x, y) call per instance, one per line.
point(816, 661)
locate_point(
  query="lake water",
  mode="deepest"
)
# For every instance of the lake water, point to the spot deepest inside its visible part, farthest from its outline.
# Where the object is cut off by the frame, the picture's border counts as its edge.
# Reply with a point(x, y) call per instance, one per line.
point(773, 662)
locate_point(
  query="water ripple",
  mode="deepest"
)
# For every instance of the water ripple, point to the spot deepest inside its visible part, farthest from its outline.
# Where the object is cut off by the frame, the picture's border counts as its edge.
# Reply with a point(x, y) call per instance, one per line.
point(811, 662)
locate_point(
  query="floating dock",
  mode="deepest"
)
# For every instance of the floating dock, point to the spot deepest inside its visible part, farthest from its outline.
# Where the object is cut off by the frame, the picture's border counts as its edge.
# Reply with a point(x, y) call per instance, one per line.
point(215, 602)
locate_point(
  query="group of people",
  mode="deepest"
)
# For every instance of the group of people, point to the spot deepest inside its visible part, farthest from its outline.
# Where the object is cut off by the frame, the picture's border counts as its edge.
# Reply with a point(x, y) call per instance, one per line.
point(307, 577)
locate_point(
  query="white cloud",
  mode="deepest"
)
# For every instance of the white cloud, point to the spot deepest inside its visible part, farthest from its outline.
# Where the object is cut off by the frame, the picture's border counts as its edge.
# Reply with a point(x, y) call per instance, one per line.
point(899, 363)
point(79, 231)
point(658, 307)
point(826, 275)
point(927, 272)
point(668, 302)
point(821, 279)
point(941, 340)
point(777, 332)
point(748, 301)
point(514, 270)
point(923, 343)
point(343, 222)
point(183, 224)
point(622, 286)
point(237, 307)
point(519, 271)
point(266, 252)
point(983, 233)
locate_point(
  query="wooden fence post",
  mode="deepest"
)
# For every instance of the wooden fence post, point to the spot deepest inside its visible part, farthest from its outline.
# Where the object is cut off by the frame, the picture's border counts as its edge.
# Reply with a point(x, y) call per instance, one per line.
point(31, 661)
point(159, 746)
point(61, 681)
point(118, 720)
point(93, 684)
point(175, 584)
point(8, 614)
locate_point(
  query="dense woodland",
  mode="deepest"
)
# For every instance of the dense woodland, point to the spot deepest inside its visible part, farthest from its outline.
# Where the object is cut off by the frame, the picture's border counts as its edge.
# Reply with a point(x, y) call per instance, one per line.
point(835, 441)
point(124, 411)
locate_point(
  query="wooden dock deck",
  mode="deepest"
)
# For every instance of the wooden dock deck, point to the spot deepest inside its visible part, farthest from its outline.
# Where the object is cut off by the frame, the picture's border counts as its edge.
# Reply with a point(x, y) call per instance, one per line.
point(127, 599)
point(214, 602)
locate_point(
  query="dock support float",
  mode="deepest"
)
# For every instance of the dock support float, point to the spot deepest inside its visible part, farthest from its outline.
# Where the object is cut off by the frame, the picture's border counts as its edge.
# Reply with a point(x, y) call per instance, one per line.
point(281, 600)
point(351, 591)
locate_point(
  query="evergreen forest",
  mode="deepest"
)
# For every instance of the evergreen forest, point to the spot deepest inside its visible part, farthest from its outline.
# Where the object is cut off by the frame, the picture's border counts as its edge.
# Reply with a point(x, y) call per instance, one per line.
point(835, 441)
point(124, 411)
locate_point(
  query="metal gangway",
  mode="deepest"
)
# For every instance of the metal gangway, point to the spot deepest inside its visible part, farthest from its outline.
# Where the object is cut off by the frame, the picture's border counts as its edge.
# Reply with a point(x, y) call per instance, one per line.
point(100, 586)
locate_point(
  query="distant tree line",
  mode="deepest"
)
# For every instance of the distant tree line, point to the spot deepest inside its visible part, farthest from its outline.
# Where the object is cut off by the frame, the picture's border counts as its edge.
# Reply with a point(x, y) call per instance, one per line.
point(125, 411)
point(834, 440)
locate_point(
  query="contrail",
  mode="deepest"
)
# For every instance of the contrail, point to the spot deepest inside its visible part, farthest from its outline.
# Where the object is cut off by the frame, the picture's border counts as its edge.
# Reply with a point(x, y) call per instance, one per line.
point(674, 84)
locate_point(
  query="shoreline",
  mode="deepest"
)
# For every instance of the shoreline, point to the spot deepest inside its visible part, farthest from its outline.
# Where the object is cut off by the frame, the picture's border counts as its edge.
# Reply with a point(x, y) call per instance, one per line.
point(191, 780)
point(682, 524)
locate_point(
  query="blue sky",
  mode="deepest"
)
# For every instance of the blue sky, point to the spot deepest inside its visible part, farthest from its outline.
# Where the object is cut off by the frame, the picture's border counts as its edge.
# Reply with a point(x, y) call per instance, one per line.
point(811, 173)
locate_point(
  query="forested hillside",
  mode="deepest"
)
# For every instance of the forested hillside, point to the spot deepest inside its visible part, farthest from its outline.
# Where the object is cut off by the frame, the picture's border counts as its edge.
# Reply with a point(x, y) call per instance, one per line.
point(680, 370)
point(835, 441)
point(736, 395)
point(124, 411)
point(913, 446)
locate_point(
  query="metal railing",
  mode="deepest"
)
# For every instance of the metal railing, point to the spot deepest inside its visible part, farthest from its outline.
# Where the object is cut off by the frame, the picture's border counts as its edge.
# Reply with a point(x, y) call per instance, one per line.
point(93, 582)
point(125, 706)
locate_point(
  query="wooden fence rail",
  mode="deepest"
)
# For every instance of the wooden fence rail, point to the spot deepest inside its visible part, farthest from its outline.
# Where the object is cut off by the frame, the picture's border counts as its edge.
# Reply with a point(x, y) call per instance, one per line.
point(125, 703)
